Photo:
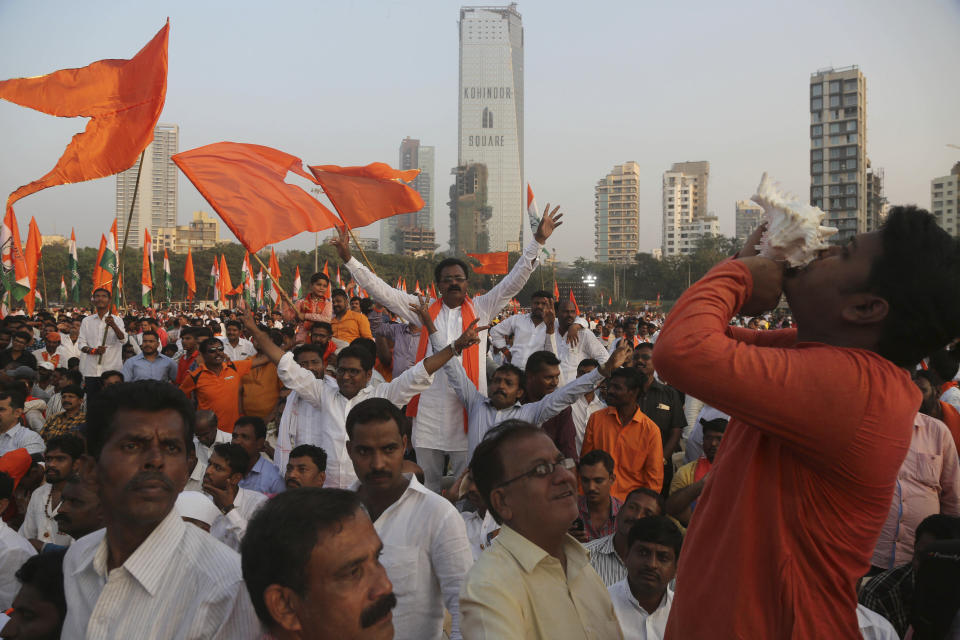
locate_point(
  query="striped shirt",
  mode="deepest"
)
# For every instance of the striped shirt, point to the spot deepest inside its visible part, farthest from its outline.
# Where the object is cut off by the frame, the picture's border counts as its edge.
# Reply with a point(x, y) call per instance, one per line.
point(180, 583)
point(606, 562)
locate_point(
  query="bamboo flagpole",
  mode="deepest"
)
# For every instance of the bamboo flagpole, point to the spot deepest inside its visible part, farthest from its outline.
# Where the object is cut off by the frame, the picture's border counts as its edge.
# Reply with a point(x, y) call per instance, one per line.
point(276, 283)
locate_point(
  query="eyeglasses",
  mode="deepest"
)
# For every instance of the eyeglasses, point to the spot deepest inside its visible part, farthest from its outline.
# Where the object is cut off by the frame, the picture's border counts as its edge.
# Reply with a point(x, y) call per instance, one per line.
point(542, 470)
point(214, 350)
point(452, 279)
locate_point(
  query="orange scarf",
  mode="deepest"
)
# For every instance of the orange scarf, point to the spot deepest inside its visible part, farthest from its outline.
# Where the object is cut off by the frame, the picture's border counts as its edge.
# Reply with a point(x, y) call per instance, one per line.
point(703, 466)
point(54, 359)
point(471, 355)
point(948, 385)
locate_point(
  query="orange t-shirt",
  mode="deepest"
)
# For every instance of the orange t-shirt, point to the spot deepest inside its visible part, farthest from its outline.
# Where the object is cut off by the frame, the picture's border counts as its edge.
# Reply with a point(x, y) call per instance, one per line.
point(636, 449)
point(351, 326)
point(803, 482)
point(951, 417)
point(261, 391)
point(219, 393)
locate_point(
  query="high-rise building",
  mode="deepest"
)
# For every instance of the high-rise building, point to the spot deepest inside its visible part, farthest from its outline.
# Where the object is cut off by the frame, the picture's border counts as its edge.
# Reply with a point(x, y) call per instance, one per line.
point(617, 214)
point(945, 200)
point(748, 214)
point(203, 232)
point(838, 149)
point(469, 211)
point(876, 202)
point(685, 217)
point(491, 117)
point(413, 233)
point(156, 204)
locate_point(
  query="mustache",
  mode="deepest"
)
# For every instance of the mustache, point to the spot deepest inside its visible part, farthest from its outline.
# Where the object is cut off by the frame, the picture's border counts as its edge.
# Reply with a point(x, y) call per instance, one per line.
point(373, 475)
point(62, 518)
point(144, 478)
point(293, 483)
point(378, 610)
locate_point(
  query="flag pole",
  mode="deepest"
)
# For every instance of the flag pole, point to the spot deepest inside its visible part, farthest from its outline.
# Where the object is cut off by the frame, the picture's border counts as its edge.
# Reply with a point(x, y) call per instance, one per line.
point(276, 283)
point(126, 234)
point(357, 242)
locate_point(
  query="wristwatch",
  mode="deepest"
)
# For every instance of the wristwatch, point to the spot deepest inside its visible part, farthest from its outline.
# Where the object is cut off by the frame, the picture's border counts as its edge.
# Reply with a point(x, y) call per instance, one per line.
point(227, 510)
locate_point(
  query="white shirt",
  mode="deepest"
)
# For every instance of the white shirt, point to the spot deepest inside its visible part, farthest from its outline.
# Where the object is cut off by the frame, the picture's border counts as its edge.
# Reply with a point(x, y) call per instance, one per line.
point(433, 427)
point(242, 351)
point(952, 397)
point(581, 411)
point(180, 583)
point(19, 437)
point(38, 522)
point(14, 551)
point(91, 335)
point(229, 529)
point(635, 622)
point(588, 346)
point(527, 337)
point(874, 626)
point(478, 530)
point(317, 414)
point(483, 416)
point(70, 348)
point(61, 351)
point(427, 555)
point(203, 454)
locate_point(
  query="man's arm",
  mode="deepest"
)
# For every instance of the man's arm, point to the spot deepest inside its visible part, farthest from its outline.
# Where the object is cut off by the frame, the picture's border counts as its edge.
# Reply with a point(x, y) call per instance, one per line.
point(127, 370)
point(490, 609)
point(500, 331)
point(451, 558)
point(397, 301)
point(268, 350)
point(490, 303)
point(363, 323)
point(683, 491)
point(457, 377)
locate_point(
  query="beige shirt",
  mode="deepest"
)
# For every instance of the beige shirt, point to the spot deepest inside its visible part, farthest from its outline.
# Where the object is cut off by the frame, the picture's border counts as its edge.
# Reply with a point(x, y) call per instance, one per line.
point(518, 590)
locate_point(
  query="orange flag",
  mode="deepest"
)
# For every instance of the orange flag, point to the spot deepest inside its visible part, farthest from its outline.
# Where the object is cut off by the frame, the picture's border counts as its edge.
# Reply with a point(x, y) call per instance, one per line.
point(574, 301)
point(326, 271)
point(226, 287)
point(244, 183)
point(122, 98)
point(556, 291)
point(275, 270)
point(363, 195)
point(188, 276)
point(31, 257)
point(496, 263)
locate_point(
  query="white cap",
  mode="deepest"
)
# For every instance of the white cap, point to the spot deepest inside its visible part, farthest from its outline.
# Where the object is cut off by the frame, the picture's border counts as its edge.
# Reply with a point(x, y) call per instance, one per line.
point(47, 365)
point(196, 505)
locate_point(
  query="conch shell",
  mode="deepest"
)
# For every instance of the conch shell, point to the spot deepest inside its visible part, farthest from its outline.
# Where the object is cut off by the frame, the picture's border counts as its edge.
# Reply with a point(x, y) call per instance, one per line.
point(794, 233)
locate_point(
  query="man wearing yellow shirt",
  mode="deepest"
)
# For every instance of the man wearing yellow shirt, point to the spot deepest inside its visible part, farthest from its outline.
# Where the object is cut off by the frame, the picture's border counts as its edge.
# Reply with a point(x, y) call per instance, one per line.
point(688, 483)
point(535, 581)
point(347, 325)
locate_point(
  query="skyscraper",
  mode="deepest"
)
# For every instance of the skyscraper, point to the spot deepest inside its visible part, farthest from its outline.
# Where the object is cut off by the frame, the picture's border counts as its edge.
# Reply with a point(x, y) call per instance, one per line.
point(748, 214)
point(685, 216)
point(838, 149)
point(469, 211)
point(491, 118)
point(945, 200)
point(617, 214)
point(156, 204)
point(410, 233)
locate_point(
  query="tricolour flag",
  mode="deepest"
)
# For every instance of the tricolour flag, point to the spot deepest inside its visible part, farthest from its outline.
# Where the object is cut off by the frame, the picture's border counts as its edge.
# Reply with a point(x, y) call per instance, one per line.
point(74, 267)
point(15, 278)
point(259, 296)
point(167, 279)
point(275, 272)
point(146, 279)
point(63, 291)
point(249, 288)
point(215, 279)
point(298, 284)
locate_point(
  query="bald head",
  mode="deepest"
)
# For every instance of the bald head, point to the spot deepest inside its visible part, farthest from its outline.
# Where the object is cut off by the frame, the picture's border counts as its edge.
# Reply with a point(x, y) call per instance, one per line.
point(206, 427)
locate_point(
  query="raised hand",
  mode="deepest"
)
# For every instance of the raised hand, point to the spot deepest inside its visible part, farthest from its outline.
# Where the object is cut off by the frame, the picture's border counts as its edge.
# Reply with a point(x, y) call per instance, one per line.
point(573, 334)
point(342, 244)
point(617, 358)
point(549, 222)
point(549, 319)
point(469, 337)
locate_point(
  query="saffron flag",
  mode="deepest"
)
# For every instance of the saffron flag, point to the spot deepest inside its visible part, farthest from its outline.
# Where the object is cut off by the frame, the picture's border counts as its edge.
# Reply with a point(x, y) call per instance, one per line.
point(339, 280)
point(326, 271)
point(556, 291)
point(188, 276)
point(108, 261)
point(101, 280)
point(122, 98)
point(416, 289)
point(15, 279)
point(573, 299)
point(275, 272)
point(244, 183)
point(146, 280)
point(74, 266)
point(148, 249)
point(496, 263)
point(433, 291)
point(298, 284)
point(31, 258)
point(167, 279)
point(363, 195)
point(63, 291)
point(226, 285)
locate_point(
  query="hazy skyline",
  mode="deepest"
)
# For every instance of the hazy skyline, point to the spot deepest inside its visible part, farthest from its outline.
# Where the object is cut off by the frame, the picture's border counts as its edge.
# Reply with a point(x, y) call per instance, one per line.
point(605, 83)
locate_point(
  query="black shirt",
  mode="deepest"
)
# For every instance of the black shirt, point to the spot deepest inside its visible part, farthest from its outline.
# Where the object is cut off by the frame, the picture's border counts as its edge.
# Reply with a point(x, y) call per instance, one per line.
point(664, 405)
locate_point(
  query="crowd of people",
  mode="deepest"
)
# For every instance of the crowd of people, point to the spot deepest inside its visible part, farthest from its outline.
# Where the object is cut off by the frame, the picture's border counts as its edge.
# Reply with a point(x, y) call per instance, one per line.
point(396, 466)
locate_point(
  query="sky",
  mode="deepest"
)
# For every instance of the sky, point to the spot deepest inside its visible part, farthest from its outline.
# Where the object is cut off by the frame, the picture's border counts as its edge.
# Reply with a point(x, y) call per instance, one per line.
point(605, 82)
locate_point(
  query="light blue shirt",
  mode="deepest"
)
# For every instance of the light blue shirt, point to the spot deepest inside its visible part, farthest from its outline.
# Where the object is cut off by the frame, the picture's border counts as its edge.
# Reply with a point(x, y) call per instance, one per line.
point(264, 478)
point(138, 367)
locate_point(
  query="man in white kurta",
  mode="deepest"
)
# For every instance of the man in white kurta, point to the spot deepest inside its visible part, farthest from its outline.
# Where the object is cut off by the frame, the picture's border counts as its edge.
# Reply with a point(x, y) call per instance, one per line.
point(436, 431)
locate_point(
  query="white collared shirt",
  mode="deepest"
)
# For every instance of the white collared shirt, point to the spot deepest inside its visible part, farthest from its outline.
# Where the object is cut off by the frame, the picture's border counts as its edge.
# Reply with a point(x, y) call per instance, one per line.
point(427, 555)
point(70, 349)
point(635, 621)
point(19, 437)
point(435, 427)
point(483, 416)
point(230, 528)
point(317, 414)
point(582, 410)
point(479, 530)
point(38, 523)
point(242, 351)
point(180, 583)
point(528, 337)
point(588, 346)
point(14, 551)
point(91, 335)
